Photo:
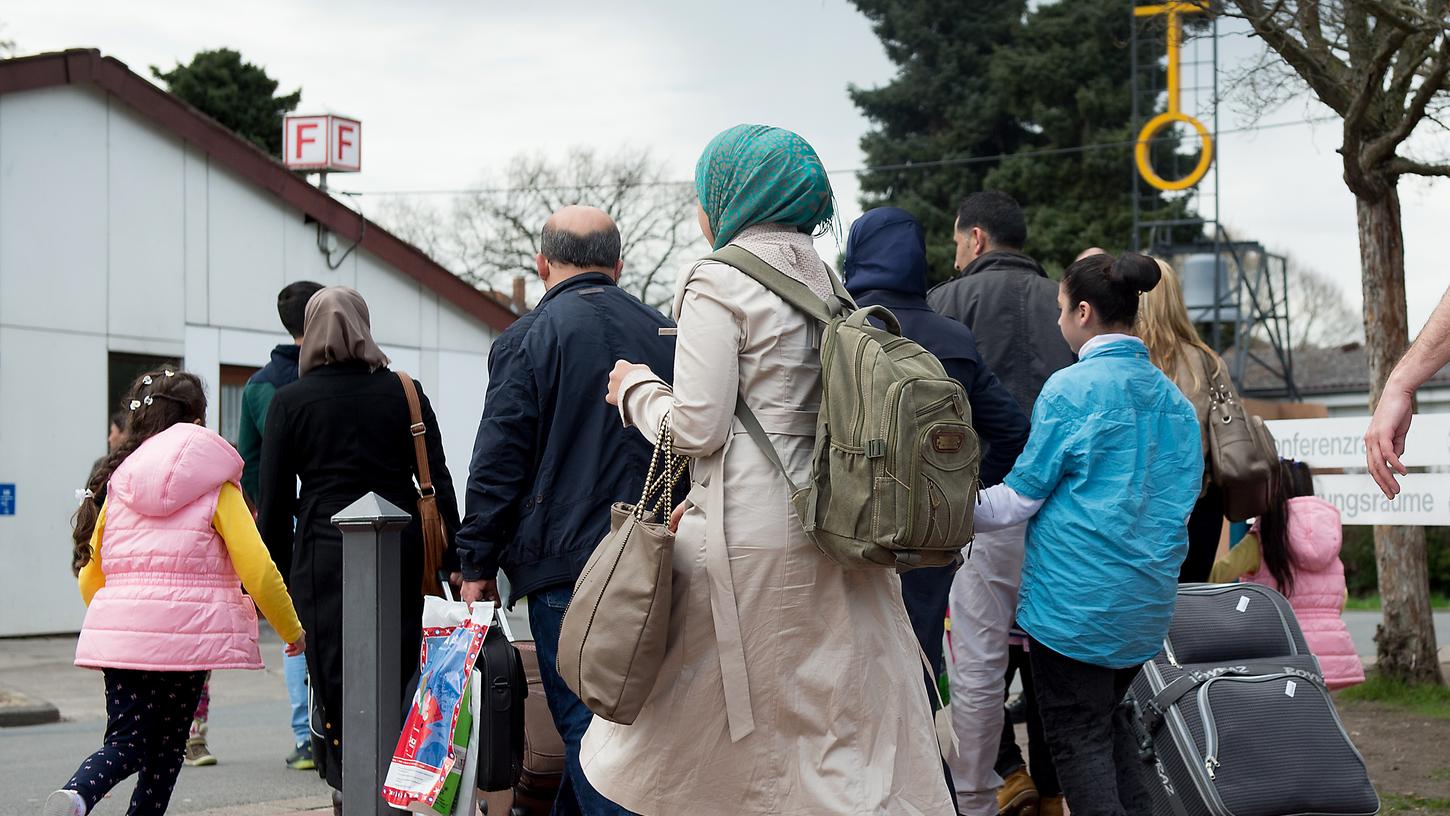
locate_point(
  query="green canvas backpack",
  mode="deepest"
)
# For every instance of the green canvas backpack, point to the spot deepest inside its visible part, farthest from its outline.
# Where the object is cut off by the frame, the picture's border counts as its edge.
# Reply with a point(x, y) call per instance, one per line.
point(894, 469)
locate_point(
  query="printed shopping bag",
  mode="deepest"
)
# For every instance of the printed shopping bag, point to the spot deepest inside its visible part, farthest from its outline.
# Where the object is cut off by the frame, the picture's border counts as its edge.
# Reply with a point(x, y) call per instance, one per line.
point(428, 751)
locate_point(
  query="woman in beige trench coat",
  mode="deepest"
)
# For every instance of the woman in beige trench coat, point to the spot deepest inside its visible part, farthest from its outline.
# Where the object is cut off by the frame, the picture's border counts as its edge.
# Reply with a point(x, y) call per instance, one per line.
point(789, 686)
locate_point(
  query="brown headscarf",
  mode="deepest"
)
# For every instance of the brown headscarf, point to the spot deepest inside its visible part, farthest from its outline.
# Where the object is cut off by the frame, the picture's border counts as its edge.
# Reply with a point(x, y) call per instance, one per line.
point(337, 330)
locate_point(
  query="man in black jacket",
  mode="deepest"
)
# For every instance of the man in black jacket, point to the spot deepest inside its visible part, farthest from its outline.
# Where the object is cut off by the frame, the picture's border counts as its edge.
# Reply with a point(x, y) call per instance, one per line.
point(886, 266)
point(552, 456)
point(1008, 301)
point(1004, 296)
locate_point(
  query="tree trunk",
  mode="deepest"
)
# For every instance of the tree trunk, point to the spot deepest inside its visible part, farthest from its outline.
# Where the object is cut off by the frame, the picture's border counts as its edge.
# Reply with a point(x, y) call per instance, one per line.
point(1405, 640)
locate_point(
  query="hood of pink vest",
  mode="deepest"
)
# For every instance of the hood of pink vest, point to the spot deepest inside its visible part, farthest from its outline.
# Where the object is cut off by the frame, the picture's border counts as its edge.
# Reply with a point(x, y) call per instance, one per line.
point(175, 468)
point(1315, 530)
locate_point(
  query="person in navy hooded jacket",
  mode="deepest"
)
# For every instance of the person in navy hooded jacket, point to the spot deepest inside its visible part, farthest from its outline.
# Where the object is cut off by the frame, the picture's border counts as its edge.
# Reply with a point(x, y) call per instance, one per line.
point(886, 266)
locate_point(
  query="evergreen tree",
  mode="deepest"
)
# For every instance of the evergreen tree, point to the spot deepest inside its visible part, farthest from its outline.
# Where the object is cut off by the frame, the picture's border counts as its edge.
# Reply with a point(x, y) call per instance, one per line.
point(942, 104)
point(237, 94)
point(1058, 77)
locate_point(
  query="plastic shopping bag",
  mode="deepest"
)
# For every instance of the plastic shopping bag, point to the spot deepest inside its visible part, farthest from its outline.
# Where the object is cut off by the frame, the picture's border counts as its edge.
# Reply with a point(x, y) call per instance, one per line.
point(429, 750)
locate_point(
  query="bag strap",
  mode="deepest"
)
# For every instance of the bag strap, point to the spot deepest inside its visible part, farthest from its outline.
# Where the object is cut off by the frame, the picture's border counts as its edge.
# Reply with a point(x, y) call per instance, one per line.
point(757, 434)
point(785, 287)
point(799, 296)
point(418, 429)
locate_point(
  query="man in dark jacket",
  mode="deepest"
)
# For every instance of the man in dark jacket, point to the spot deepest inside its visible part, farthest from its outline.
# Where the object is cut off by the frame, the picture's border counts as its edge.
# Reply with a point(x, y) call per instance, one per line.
point(1008, 301)
point(886, 266)
point(1004, 296)
point(552, 456)
point(256, 398)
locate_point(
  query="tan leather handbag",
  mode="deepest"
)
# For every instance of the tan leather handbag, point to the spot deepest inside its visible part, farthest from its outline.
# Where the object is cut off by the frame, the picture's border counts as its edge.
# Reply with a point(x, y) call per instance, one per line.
point(435, 538)
point(613, 637)
point(1242, 458)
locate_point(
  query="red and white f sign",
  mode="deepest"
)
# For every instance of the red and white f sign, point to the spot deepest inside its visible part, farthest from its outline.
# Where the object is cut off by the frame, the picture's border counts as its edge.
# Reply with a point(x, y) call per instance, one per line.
point(345, 150)
point(323, 142)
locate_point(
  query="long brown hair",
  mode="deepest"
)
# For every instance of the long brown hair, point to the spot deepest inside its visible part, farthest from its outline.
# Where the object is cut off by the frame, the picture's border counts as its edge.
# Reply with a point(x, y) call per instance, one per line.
point(155, 401)
point(1164, 327)
point(1275, 548)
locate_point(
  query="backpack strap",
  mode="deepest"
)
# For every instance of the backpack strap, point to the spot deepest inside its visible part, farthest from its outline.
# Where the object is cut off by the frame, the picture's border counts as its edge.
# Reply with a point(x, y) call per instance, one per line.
point(785, 287)
point(757, 434)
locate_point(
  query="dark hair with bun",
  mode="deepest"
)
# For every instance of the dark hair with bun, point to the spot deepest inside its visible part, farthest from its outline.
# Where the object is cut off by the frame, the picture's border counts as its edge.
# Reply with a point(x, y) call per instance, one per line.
point(1111, 285)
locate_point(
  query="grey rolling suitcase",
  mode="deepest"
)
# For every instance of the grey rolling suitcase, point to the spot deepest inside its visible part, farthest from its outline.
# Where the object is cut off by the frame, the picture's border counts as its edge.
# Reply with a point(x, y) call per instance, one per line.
point(1234, 717)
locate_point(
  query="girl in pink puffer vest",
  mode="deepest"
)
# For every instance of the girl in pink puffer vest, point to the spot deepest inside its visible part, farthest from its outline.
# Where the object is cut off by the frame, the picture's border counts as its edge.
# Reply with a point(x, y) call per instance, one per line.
point(164, 544)
point(1294, 549)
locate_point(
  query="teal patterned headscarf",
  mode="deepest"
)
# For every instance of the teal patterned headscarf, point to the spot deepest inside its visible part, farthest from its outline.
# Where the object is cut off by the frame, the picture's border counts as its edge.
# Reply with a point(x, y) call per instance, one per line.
point(755, 174)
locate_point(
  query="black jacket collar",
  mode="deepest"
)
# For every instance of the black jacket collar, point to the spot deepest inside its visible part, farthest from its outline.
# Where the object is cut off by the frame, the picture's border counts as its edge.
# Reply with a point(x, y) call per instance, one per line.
point(1003, 259)
point(583, 279)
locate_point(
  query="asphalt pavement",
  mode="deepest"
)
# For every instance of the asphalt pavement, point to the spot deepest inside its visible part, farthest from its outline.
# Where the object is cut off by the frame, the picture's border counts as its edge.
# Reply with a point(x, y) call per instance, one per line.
point(249, 734)
point(249, 730)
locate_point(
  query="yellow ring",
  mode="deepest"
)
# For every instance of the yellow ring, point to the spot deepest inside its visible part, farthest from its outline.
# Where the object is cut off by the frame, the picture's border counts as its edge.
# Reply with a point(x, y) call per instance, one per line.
point(1145, 165)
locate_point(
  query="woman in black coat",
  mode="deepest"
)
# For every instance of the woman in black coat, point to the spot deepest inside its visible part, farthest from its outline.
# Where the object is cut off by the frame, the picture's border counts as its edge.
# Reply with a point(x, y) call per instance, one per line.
point(343, 430)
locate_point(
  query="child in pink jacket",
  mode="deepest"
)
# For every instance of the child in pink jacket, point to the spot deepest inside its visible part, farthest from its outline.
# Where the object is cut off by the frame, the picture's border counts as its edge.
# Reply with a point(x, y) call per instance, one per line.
point(164, 544)
point(1294, 548)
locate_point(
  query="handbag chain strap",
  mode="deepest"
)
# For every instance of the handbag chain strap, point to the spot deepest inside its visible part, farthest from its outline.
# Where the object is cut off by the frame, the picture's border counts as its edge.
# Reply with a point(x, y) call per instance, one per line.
point(662, 480)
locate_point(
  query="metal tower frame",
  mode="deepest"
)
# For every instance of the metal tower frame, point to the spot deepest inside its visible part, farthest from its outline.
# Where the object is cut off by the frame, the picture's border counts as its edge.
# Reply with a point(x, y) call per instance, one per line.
point(1253, 304)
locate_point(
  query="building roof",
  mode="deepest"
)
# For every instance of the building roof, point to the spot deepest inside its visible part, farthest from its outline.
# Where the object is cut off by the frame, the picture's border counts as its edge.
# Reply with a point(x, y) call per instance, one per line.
point(88, 67)
point(1322, 372)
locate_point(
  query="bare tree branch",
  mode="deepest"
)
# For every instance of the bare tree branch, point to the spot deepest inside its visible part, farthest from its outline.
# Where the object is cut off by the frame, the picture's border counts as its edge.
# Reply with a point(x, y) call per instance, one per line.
point(1383, 147)
point(490, 237)
point(1313, 61)
point(1400, 166)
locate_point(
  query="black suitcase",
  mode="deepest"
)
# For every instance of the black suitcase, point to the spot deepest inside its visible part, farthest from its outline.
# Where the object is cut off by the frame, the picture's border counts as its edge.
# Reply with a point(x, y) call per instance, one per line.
point(501, 710)
point(1213, 622)
point(1234, 717)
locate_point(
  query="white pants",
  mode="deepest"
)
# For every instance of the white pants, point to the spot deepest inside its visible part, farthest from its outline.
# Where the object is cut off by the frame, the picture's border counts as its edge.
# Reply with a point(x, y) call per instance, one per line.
point(983, 604)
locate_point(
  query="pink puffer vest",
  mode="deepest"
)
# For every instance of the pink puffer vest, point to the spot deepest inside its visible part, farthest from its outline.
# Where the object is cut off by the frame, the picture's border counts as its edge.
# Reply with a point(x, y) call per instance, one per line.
point(172, 601)
point(1315, 536)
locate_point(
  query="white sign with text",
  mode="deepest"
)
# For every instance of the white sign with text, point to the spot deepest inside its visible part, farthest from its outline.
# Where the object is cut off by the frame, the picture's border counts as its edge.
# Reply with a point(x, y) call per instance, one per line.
point(1338, 442)
point(1424, 499)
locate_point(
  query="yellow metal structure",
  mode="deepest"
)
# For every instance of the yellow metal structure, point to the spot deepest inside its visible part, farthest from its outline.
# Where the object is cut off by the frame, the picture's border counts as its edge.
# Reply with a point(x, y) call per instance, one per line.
point(1174, 10)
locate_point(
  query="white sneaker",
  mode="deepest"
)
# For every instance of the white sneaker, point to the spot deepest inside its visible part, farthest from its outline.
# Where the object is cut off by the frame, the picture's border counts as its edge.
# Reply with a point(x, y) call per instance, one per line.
point(64, 803)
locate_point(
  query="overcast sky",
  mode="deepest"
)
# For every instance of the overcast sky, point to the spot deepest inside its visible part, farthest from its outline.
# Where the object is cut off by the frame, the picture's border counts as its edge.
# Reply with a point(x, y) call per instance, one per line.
point(449, 91)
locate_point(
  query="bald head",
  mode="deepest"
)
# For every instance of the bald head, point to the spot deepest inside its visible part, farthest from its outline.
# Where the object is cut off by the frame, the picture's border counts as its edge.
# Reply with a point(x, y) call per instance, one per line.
point(576, 240)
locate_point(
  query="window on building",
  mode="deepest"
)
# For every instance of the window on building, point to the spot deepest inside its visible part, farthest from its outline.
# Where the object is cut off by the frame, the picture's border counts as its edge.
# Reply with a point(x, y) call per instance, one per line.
point(122, 369)
point(229, 400)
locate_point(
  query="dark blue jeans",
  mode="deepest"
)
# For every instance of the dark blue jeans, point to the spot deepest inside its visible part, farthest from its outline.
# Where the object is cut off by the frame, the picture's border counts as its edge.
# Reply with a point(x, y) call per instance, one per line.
point(576, 796)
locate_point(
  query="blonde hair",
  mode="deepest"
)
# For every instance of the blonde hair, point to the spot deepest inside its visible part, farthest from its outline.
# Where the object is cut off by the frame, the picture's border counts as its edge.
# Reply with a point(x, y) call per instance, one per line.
point(1164, 327)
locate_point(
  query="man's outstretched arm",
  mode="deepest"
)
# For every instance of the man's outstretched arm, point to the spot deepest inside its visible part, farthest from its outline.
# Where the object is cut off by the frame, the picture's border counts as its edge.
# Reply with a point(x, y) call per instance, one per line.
point(1384, 442)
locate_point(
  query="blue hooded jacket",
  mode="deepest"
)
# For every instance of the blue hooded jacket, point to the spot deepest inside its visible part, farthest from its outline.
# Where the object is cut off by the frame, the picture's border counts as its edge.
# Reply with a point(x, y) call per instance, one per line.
point(886, 266)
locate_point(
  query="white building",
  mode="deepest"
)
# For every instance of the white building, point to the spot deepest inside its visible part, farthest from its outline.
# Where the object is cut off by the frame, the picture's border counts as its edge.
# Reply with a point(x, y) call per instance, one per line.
point(135, 230)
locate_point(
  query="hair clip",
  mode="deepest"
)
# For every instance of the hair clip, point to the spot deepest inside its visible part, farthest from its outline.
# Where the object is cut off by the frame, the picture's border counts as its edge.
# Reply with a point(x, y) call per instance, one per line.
point(169, 373)
point(83, 495)
point(147, 400)
point(146, 380)
point(137, 403)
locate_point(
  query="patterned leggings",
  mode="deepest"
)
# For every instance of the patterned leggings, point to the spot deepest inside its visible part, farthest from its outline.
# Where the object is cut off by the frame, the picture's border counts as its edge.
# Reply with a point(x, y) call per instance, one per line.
point(148, 714)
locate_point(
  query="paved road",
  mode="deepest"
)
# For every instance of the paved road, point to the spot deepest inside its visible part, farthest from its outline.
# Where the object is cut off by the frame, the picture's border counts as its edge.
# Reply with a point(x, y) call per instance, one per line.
point(1362, 626)
point(249, 734)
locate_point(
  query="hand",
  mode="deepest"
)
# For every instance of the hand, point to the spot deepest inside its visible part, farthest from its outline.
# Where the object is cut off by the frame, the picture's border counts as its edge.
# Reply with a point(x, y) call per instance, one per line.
point(1384, 442)
point(455, 579)
point(474, 591)
point(297, 646)
point(676, 515)
point(622, 369)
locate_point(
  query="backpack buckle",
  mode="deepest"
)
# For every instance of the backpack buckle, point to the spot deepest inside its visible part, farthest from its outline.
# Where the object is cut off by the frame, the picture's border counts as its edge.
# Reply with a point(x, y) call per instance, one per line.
point(875, 448)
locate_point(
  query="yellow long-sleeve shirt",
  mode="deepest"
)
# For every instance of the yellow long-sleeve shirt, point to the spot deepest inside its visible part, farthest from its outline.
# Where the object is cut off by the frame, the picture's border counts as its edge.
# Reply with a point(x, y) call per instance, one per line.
point(233, 522)
point(1243, 558)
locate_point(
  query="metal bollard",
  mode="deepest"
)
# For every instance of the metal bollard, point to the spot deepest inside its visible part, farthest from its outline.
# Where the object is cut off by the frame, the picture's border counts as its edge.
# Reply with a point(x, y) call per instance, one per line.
point(371, 615)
